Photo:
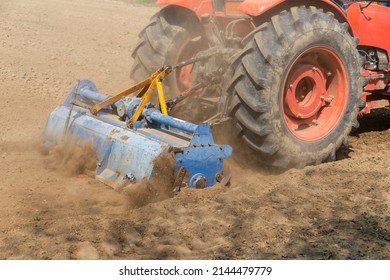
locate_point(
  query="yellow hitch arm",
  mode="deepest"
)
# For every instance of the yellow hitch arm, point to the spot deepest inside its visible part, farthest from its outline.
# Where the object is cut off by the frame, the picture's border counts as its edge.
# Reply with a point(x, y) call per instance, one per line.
point(161, 97)
point(146, 87)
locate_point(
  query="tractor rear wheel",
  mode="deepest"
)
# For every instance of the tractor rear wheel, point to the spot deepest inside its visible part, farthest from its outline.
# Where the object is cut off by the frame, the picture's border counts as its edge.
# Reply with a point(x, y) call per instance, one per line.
point(172, 36)
point(296, 87)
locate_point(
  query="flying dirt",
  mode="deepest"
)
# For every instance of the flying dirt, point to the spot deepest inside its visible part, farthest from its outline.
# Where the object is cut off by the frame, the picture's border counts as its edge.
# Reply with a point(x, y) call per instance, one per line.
point(336, 210)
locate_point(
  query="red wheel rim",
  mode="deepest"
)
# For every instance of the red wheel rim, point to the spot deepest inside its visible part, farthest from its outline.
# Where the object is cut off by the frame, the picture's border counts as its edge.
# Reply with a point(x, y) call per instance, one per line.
point(314, 93)
point(184, 75)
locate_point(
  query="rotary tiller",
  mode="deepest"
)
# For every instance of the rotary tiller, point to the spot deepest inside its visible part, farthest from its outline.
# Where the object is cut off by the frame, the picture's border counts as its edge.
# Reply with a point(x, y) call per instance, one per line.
point(129, 134)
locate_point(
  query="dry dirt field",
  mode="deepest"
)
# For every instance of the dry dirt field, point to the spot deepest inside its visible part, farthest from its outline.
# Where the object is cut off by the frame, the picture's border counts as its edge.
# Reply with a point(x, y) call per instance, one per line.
point(338, 210)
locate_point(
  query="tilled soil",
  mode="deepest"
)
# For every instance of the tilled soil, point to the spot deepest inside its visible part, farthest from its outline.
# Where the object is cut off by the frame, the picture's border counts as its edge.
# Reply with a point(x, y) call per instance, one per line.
point(337, 210)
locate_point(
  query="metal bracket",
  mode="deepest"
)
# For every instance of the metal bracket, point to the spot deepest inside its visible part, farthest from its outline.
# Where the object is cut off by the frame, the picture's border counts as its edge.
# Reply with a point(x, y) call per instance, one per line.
point(74, 98)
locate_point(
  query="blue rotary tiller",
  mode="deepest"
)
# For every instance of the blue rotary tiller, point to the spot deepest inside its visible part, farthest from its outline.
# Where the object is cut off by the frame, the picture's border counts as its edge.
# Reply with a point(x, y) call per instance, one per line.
point(129, 134)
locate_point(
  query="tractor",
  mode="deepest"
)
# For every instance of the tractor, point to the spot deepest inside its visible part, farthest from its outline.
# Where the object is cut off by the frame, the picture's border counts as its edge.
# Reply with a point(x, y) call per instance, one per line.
point(293, 76)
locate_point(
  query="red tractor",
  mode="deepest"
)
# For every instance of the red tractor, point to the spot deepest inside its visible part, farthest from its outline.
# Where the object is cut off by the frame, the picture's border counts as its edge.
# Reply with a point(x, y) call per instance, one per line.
point(292, 75)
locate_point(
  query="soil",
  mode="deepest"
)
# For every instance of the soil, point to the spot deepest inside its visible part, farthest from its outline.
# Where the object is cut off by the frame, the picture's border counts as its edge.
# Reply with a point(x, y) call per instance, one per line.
point(338, 210)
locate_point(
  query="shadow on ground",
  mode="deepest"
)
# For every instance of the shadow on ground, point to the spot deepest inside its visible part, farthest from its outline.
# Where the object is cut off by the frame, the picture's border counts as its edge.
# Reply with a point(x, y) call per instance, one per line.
point(364, 237)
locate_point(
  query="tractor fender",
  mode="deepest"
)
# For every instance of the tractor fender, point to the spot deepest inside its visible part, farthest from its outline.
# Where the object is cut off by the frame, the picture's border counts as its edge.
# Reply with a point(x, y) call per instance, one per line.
point(199, 7)
point(257, 8)
point(253, 8)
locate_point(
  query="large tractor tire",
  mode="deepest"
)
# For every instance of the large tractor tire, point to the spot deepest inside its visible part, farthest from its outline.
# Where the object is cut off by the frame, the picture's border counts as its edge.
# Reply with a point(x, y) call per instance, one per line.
point(172, 36)
point(296, 87)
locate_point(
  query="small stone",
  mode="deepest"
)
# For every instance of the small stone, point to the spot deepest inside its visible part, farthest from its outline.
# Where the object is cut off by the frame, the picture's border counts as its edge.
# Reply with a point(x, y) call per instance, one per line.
point(52, 57)
point(4, 155)
point(111, 248)
point(86, 251)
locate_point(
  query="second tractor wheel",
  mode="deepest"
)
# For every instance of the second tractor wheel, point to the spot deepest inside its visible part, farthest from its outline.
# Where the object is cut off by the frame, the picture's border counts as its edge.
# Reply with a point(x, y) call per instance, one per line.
point(172, 36)
point(296, 87)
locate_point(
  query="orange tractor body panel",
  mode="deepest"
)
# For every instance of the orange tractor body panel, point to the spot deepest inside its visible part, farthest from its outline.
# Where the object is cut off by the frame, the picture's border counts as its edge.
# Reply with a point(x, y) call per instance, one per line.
point(200, 7)
point(252, 8)
point(371, 25)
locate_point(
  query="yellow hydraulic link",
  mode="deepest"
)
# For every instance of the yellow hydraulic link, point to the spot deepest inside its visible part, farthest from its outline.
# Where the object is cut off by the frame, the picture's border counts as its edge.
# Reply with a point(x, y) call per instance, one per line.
point(144, 100)
point(146, 88)
point(161, 97)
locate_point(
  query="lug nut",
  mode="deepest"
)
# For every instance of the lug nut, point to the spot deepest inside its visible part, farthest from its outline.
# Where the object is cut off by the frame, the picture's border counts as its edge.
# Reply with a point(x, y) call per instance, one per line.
point(327, 99)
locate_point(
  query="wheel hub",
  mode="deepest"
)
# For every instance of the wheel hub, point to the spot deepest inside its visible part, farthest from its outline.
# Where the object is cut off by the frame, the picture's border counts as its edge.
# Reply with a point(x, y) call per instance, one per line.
point(315, 93)
point(303, 98)
point(184, 75)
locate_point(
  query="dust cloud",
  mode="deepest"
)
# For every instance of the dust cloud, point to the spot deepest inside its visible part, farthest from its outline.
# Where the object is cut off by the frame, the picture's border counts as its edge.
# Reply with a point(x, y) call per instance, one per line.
point(159, 187)
point(71, 157)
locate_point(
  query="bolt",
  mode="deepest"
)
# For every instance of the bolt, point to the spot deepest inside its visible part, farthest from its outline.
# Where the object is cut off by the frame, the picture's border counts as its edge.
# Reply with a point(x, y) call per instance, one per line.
point(326, 99)
point(314, 68)
point(130, 177)
point(299, 116)
point(329, 74)
point(219, 177)
point(314, 122)
point(130, 125)
point(199, 182)
point(291, 86)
